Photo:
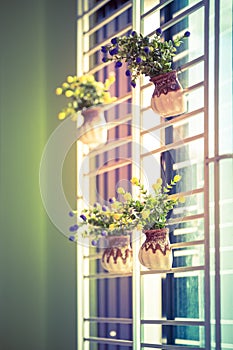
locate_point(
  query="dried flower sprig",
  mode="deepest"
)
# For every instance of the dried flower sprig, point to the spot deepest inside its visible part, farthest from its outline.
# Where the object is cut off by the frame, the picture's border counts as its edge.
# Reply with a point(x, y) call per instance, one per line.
point(146, 211)
point(84, 92)
point(146, 55)
point(151, 209)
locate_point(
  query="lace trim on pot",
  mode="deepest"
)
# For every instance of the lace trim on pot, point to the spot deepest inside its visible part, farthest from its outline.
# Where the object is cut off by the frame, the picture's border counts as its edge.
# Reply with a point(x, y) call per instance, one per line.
point(116, 253)
point(157, 240)
point(165, 82)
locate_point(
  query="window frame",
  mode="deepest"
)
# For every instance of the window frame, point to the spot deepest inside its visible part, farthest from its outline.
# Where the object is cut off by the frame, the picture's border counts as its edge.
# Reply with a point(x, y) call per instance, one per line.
point(83, 256)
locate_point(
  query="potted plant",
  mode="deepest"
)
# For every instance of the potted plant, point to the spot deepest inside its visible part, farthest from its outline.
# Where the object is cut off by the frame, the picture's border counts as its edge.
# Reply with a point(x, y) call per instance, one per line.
point(153, 57)
point(86, 95)
point(147, 212)
point(109, 224)
point(150, 211)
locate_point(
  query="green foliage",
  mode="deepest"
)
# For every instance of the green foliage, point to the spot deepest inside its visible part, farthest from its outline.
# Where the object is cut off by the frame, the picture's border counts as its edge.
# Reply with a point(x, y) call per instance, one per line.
point(143, 54)
point(84, 92)
point(146, 211)
point(152, 209)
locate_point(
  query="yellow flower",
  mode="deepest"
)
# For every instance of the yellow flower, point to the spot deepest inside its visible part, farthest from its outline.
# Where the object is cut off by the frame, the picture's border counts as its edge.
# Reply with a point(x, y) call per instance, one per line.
point(112, 77)
point(74, 117)
point(107, 97)
point(117, 216)
point(77, 92)
point(177, 178)
point(70, 79)
point(145, 214)
point(120, 190)
point(116, 205)
point(111, 227)
point(182, 199)
point(65, 85)
point(59, 91)
point(69, 93)
point(127, 196)
point(156, 186)
point(85, 91)
point(107, 83)
point(61, 115)
point(159, 181)
point(139, 227)
point(134, 181)
point(99, 86)
point(83, 79)
point(90, 78)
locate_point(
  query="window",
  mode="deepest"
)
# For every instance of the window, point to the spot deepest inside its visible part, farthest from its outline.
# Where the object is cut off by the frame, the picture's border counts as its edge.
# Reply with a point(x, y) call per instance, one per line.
point(191, 305)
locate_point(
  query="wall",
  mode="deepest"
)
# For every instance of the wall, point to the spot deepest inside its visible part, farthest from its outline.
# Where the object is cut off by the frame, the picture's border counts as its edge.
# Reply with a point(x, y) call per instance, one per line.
point(37, 263)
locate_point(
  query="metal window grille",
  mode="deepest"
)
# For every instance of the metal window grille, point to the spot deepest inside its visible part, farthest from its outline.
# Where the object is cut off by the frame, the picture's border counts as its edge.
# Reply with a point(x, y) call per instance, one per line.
point(186, 308)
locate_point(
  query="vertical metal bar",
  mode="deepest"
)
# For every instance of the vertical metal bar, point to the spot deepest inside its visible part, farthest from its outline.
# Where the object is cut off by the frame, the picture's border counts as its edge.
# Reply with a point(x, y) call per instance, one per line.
point(136, 166)
point(206, 177)
point(79, 266)
point(81, 7)
point(216, 178)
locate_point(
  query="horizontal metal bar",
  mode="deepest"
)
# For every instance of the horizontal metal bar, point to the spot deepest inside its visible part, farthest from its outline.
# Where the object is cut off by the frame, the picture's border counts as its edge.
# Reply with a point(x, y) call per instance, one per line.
point(98, 67)
point(107, 275)
point(188, 193)
point(186, 218)
point(187, 244)
point(109, 341)
point(115, 14)
point(94, 9)
point(105, 42)
point(113, 144)
point(173, 145)
point(187, 90)
point(175, 322)
point(93, 256)
point(120, 121)
point(147, 272)
point(180, 16)
point(109, 167)
point(218, 158)
point(109, 320)
point(156, 8)
point(174, 270)
point(194, 87)
point(174, 245)
point(190, 64)
point(170, 347)
point(165, 124)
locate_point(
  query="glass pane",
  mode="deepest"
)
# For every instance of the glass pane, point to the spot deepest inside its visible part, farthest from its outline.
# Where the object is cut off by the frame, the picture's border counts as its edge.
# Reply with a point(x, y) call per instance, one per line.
point(182, 335)
point(188, 231)
point(110, 330)
point(226, 251)
point(189, 256)
point(225, 79)
point(189, 286)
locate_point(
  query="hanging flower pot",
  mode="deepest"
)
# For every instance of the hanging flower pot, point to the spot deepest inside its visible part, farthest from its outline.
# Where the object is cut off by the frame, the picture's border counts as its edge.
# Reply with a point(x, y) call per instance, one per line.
point(118, 256)
point(168, 98)
point(155, 253)
point(152, 57)
point(93, 131)
point(86, 97)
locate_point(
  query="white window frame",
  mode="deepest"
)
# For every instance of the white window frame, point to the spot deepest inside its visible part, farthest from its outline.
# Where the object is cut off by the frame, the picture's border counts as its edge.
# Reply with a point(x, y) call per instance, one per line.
point(83, 253)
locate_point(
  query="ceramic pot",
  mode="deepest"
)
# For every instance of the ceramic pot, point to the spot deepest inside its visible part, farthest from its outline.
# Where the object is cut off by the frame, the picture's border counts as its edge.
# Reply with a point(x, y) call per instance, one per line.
point(118, 256)
point(168, 98)
point(93, 131)
point(155, 253)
